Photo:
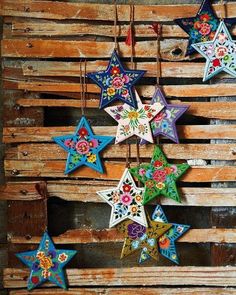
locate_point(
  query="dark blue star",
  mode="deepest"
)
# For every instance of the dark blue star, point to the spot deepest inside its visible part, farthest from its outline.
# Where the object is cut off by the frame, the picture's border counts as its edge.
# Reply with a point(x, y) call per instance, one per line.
point(116, 83)
point(46, 263)
point(203, 26)
point(83, 147)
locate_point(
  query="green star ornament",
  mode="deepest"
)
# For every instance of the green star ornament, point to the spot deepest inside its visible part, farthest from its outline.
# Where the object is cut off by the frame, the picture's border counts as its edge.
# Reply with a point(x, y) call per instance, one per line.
point(159, 177)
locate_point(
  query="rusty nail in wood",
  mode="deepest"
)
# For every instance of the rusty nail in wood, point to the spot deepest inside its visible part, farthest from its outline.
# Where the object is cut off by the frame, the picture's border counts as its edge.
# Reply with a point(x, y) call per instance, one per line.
point(15, 172)
point(25, 153)
point(29, 45)
point(30, 68)
point(13, 135)
point(233, 152)
point(17, 107)
point(28, 237)
point(26, 9)
point(24, 192)
point(27, 30)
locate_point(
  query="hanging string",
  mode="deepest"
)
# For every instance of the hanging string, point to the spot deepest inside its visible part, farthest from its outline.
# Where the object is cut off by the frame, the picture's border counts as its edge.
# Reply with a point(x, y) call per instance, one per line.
point(132, 35)
point(127, 154)
point(222, 10)
point(83, 86)
point(115, 25)
point(41, 189)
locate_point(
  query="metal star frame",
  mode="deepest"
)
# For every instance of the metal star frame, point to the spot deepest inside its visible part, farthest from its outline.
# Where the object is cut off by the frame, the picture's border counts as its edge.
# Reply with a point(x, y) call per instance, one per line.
point(164, 123)
point(83, 147)
point(133, 121)
point(46, 263)
point(203, 26)
point(140, 237)
point(220, 53)
point(116, 83)
point(167, 241)
point(126, 201)
point(159, 177)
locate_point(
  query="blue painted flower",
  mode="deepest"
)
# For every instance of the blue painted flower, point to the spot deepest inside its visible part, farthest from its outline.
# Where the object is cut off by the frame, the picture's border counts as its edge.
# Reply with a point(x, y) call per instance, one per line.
point(164, 124)
point(151, 242)
point(149, 173)
point(135, 244)
point(121, 209)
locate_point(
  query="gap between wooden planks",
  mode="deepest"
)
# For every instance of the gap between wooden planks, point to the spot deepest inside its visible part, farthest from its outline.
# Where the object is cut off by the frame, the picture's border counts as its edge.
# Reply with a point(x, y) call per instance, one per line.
point(194, 90)
point(135, 276)
point(51, 151)
point(92, 11)
point(113, 171)
point(111, 235)
point(45, 134)
point(130, 291)
point(77, 190)
point(216, 110)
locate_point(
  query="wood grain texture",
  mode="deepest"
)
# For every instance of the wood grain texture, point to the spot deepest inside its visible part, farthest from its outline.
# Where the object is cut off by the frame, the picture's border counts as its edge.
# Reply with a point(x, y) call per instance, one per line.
point(45, 134)
point(135, 276)
point(83, 11)
point(130, 291)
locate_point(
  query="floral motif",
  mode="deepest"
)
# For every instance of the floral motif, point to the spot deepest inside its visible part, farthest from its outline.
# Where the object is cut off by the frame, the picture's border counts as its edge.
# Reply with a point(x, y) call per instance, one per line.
point(136, 230)
point(62, 257)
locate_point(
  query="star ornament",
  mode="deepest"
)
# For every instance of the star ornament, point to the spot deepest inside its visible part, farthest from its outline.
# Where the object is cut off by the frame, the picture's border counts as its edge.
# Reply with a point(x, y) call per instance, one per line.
point(116, 83)
point(164, 123)
point(202, 27)
point(126, 201)
point(46, 263)
point(220, 53)
point(159, 177)
point(133, 121)
point(167, 240)
point(139, 237)
point(83, 147)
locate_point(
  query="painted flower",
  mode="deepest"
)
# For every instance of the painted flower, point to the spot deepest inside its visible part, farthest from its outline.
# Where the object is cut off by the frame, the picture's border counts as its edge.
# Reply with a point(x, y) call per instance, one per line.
point(227, 58)
point(180, 229)
point(142, 171)
point(62, 257)
point(205, 29)
point(126, 128)
point(149, 183)
point(111, 91)
point(159, 117)
point(121, 209)
point(141, 128)
point(69, 143)
point(138, 198)
point(133, 115)
point(222, 37)
point(93, 143)
point(159, 175)
point(117, 117)
point(157, 163)
point(83, 132)
point(164, 242)
point(168, 170)
point(136, 230)
point(40, 255)
point(115, 70)
point(82, 147)
point(148, 173)
point(134, 209)
point(126, 79)
point(151, 242)
point(117, 83)
point(126, 199)
point(91, 158)
point(204, 17)
point(160, 185)
point(149, 115)
point(45, 262)
point(35, 280)
point(221, 51)
point(116, 197)
point(135, 244)
point(126, 188)
point(212, 35)
point(125, 93)
point(174, 168)
point(75, 158)
point(210, 50)
point(120, 108)
point(46, 274)
point(197, 25)
point(216, 62)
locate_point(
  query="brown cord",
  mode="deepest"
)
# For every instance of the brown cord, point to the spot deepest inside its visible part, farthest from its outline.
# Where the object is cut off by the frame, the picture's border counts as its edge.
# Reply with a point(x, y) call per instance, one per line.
point(83, 86)
point(115, 25)
point(158, 63)
point(132, 34)
point(41, 188)
point(223, 10)
point(127, 154)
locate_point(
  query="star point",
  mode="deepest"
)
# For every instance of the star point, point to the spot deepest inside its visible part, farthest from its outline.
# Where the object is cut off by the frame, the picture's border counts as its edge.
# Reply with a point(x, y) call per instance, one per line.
point(116, 83)
point(125, 200)
point(83, 147)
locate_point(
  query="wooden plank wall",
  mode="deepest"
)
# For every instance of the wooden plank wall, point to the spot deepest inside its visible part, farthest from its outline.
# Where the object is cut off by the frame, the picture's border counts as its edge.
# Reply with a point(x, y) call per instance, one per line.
point(43, 42)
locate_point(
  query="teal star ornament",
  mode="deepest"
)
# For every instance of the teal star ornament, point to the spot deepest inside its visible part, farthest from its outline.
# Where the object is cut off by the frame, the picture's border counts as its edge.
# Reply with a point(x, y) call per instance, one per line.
point(116, 82)
point(46, 263)
point(159, 177)
point(220, 53)
point(83, 147)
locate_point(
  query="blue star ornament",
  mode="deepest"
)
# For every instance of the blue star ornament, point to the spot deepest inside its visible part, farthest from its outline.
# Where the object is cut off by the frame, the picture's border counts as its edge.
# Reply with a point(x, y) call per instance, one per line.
point(167, 240)
point(203, 26)
point(46, 263)
point(83, 147)
point(116, 83)
point(220, 53)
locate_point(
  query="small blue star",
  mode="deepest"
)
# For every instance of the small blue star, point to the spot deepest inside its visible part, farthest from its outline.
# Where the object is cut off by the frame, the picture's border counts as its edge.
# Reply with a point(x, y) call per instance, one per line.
point(116, 82)
point(83, 147)
point(46, 263)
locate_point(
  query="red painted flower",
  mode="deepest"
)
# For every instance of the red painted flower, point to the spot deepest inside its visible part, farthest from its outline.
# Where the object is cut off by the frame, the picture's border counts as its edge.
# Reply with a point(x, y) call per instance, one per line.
point(83, 132)
point(159, 117)
point(35, 280)
point(126, 188)
point(115, 71)
point(82, 147)
point(117, 83)
point(204, 17)
point(159, 175)
point(146, 108)
point(164, 242)
point(157, 163)
point(216, 62)
point(197, 25)
point(205, 29)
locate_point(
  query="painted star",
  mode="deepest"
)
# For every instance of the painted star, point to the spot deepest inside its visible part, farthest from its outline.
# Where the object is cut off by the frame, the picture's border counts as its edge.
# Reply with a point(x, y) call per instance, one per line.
point(167, 241)
point(46, 263)
point(203, 26)
point(220, 53)
point(159, 177)
point(141, 237)
point(116, 82)
point(164, 123)
point(83, 147)
point(133, 121)
point(126, 201)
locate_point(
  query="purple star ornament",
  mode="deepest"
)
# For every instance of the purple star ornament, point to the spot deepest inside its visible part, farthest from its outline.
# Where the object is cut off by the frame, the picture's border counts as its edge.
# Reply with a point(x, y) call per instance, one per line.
point(164, 123)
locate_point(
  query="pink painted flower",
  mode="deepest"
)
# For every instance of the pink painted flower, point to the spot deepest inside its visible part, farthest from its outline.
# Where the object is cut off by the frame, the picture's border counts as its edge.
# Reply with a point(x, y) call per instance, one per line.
point(159, 175)
point(125, 93)
point(82, 147)
point(222, 37)
point(117, 83)
point(126, 199)
point(174, 168)
point(141, 171)
point(93, 143)
point(126, 79)
point(205, 29)
point(69, 143)
point(221, 51)
point(159, 117)
point(210, 50)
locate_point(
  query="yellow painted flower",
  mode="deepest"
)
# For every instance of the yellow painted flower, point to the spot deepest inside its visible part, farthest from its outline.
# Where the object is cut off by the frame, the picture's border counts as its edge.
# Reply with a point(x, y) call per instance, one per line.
point(92, 158)
point(111, 91)
point(134, 209)
point(45, 262)
point(138, 198)
point(133, 115)
point(160, 185)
